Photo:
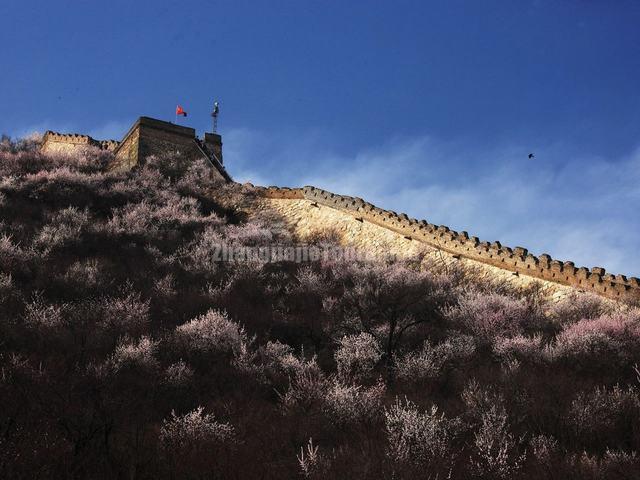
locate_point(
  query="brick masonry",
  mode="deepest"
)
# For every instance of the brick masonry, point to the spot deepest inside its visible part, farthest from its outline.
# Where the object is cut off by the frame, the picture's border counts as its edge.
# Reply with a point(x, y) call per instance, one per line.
point(147, 136)
point(360, 223)
point(59, 143)
point(366, 226)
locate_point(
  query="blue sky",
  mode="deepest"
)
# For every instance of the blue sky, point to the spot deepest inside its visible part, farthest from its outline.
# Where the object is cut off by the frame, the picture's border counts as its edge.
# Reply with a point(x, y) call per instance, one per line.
point(427, 107)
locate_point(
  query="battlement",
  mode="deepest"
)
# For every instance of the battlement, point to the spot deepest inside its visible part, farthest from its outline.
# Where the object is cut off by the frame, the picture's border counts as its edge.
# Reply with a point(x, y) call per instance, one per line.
point(163, 126)
point(461, 245)
point(68, 137)
point(109, 145)
point(54, 142)
point(147, 136)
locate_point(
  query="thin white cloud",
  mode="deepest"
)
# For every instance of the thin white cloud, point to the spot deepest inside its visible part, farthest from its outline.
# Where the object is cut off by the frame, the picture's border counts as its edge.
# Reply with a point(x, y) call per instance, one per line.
point(111, 130)
point(25, 131)
point(573, 207)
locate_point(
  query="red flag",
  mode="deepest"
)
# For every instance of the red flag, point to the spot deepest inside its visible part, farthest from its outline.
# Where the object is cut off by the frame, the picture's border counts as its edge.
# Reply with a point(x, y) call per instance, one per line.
point(180, 111)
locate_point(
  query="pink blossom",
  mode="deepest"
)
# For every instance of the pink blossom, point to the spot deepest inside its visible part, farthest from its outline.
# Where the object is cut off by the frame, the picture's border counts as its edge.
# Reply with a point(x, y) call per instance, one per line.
point(212, 332)
point(357, 356)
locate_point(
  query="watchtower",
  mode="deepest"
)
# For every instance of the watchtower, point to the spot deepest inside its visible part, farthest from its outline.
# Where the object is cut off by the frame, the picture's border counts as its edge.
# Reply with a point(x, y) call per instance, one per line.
point(149, 136)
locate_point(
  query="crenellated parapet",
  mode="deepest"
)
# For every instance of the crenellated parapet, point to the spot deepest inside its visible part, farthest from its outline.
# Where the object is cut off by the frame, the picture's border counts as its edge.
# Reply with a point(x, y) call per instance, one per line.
point(67, 137)
point(146, 137)
point(152, 137)
point(278, 192)
point(54, 142)
point(461, 245)
point(109, 145)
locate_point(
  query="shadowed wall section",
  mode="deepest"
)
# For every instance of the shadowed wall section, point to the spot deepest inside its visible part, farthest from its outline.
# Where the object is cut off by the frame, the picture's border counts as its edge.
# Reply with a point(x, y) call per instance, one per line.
point(149, 136)
point(460, 246)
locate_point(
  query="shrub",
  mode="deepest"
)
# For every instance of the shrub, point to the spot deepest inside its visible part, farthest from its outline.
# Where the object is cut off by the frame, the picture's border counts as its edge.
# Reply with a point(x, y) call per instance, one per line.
point(202, 255)
point(544, 449)
point(164, 288)
point(133, 219)
point(610, 339)
point(212, 332)
point(87, 274)
point(25, 159)
point(40, 314)
point(156, 221)
point(479, 400)
point(605, 416)
point(193, 429)
point(422, 439)
point(63, 186)
point(168, 165)
point(248, 234)
point(307, 387)
point(495, 448)
point(30, 143)
point(357, 356)
point(613, 464)
point(425, 364)
point(619, 464)
point(346, 404)
point(65, 227)
point(12, 257)
point(132, 354)
point(324, 238)
point(310, 390)
point(312, 463)
point(457, 347)
point(578, 306)
point(429, 362)
point(279, 358)
point(178, 374)
point(126, 313)
point(197, 179)
point(180, 212)
point(86, 389)
point(6, 285)
point(490, 315)
point(519, 347)
point(310, 281)
point(388, 301)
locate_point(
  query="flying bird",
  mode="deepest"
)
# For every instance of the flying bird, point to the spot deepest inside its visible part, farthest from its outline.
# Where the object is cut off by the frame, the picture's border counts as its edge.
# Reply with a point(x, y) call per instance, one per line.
point(531, 155)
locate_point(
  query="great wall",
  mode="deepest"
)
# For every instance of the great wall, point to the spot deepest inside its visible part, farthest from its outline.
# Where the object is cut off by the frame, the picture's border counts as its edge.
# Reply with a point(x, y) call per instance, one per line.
point(147, 136)
point(363, 224)
point(459, 246)
point(55, 142)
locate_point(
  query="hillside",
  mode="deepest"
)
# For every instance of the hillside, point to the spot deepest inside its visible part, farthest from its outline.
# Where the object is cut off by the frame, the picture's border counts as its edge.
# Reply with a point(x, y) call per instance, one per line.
point(157, 324)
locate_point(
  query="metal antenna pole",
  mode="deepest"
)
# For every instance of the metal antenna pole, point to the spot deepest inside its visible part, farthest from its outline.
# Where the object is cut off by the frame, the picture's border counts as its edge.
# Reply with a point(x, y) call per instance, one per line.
point(214, 114)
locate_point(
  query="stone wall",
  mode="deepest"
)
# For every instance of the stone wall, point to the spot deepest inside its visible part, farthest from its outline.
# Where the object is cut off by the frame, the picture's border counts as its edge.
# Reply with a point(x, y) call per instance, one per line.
point(56, 143)
point(146, 137)
point(149, 136)
point(126, 156)
point(302, 206)
point(213, 143)
point(296, 204)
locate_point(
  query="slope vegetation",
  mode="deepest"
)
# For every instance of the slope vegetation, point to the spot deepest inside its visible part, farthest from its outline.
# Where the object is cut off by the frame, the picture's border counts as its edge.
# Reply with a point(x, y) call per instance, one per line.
point(129, 348)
